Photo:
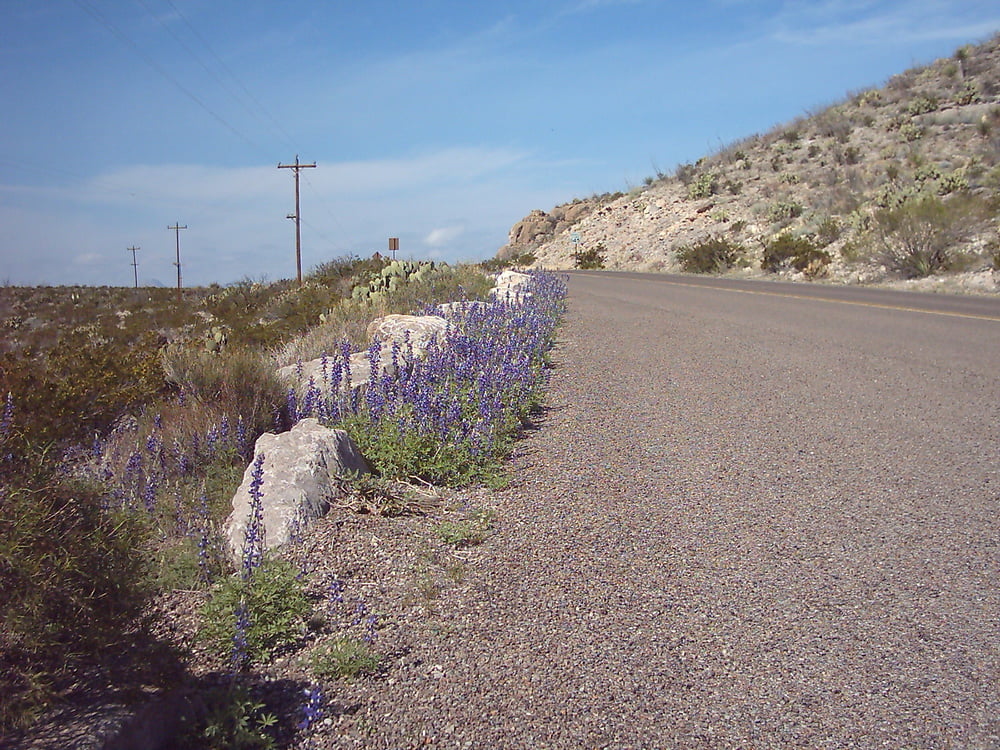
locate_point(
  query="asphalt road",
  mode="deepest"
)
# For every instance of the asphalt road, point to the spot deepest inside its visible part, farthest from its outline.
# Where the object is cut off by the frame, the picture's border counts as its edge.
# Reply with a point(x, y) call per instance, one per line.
point(970, 305)
point(751, 516)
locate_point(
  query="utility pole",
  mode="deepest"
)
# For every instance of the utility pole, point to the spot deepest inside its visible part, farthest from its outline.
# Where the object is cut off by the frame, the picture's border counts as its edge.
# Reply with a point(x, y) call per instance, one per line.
point(135, 265)
point(297, 215)
point(177, 237)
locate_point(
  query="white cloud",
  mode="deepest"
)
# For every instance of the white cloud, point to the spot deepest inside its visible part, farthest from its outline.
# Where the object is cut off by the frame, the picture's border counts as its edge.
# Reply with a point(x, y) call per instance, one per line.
point(443, 236)
point(866, 22)
point(89, 259)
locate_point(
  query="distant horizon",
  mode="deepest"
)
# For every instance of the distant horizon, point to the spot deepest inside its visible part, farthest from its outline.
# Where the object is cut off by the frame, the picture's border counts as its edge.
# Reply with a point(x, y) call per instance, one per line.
point(442, 124)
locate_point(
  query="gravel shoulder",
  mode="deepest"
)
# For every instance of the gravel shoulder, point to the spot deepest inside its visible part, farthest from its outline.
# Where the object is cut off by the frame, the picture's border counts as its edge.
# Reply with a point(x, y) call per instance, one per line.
point(741, 522)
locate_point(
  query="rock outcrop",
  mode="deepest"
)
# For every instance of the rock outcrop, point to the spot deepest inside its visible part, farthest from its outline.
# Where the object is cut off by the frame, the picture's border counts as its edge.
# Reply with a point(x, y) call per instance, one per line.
point(303, 472)
point(539, 227)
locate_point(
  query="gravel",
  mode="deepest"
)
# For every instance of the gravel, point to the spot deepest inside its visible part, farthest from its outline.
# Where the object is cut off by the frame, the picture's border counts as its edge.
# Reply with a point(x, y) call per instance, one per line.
point(741, 521)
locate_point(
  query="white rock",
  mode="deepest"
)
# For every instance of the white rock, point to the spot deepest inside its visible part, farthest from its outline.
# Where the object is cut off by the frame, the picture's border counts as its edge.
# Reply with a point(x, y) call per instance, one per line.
point(301, 476)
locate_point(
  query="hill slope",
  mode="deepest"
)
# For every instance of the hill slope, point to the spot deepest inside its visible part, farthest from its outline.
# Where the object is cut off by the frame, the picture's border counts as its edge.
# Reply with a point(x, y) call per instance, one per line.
point(857, 183)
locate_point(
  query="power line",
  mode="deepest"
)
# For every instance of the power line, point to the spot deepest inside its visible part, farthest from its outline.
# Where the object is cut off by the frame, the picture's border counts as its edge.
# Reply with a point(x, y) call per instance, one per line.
point(107, 23)
point(256, 102)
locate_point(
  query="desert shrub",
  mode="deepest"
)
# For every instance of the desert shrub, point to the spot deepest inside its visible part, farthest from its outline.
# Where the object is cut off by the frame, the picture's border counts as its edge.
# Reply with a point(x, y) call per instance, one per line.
point(798, 252)
point(685, 173)
point(73, 578)
point(704, 185)
point(591, 258)
point(921, 236)
point(713, 255)
point(828, 231)
point(784, 211)
point(493, 265)
point(239, 382)
point(81, 385)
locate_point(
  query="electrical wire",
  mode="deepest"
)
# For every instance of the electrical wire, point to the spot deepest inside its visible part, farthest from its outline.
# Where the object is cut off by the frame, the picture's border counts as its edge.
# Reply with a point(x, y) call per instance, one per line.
point(110, 26)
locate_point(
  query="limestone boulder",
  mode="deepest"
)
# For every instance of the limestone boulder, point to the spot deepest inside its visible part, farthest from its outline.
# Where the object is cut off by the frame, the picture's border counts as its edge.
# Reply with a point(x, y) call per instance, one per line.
point(303, 472)
point(512, 286)
point(460, 310)
point(421, 330)
point(299, 376)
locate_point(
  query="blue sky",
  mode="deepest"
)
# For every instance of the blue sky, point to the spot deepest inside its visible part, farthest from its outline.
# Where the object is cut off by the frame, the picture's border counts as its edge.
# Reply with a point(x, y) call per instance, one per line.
point(439, 122)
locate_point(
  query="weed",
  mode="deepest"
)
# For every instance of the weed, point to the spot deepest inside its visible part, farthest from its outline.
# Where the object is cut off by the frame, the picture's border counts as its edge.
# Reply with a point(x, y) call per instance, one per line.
point(235, 720)
point(467, 532)
point(386, 497)
point(344, 657)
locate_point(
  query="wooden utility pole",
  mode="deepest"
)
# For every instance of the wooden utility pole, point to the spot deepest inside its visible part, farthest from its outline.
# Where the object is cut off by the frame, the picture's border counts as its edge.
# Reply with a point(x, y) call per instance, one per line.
point(135, 265)
point(177, 237)
point(297, 215)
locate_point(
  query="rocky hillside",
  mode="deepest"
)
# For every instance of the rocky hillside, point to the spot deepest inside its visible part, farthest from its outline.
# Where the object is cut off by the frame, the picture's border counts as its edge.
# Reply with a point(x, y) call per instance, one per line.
point(849, 193)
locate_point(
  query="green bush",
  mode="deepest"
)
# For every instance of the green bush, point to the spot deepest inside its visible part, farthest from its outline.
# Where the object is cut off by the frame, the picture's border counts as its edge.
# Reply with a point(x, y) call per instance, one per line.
point(704, 185)
point(922, 235)
point(73, 579)
point(713, 255)
point(592, 258)
point(80, 386)
point(798, 252)
point(275, 604)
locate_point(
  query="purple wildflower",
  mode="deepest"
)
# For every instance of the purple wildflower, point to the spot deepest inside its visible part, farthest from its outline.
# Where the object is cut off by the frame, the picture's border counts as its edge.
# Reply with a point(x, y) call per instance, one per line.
point(312, 709)
point(253, 539)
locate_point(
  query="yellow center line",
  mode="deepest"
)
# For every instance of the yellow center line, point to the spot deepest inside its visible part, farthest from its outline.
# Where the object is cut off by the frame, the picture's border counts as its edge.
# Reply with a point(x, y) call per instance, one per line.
point(828, 299)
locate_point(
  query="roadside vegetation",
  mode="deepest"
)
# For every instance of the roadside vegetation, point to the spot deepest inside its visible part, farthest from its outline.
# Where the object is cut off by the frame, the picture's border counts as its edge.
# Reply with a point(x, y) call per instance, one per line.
point(128, 421)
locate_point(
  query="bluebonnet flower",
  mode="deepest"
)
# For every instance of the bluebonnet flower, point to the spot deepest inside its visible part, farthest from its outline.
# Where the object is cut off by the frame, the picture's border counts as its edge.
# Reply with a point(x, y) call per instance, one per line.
point(253, 538)
point(239, 655)
point(8, 416)
point(335, 591)
point(312, 709)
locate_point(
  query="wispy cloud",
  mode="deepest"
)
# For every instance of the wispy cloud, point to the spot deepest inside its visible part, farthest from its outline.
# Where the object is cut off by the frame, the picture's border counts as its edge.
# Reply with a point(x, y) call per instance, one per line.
point(443, 236)
point(866, 22)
